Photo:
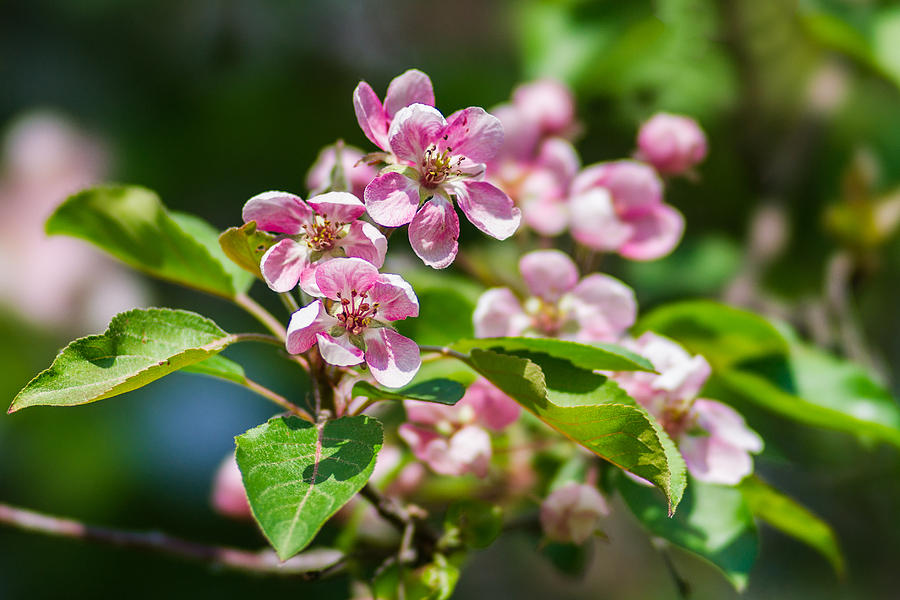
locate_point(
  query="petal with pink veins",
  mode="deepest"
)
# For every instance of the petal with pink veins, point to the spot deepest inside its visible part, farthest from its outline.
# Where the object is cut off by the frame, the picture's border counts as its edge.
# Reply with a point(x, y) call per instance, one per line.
point(395, 298)
point(366, 242)
point(339, 351)
point(412, 87)
point(499, 313)
point(283, 263)
point(342, 276)
point(488, 208)
point(414, 128)
point(392, 199)
point(341, 207)
point(548, 273)
point(712, 460)
point(434, 232)
point(723, 422)
point(595, 222)
point(474, 133)
point(655, 234)
point(604, 307)
point(393, 359)
point(370, 115)
point(279, 212)
point(305, 324)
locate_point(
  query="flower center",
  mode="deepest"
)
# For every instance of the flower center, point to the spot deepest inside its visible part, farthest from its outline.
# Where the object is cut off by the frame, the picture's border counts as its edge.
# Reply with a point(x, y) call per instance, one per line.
point(546, 317)
point(356, 314)
point(322, 234)
point(437, 166)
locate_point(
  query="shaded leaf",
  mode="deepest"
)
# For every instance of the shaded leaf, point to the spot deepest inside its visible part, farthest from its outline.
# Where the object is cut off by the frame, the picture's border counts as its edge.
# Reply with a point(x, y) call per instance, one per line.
point(442, 391)
point(598, 356)
point(245, 246)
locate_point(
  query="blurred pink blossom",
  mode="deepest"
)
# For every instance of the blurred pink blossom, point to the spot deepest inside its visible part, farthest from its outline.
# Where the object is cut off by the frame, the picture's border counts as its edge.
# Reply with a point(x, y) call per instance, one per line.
point(228, 495)
point(571, 514)
point(358, 175)
point(674, 144)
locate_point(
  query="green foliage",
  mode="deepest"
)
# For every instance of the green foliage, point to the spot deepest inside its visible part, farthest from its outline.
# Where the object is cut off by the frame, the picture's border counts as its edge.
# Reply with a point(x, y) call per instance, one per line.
point(434, 581)
point(475, 523)
point(787, 516)
point(591, 410)
point(139, 347)
point(297, 475)
point(599, 356)
point(219, 366)
point(132, 224)
point(245, 246)
point(445, 310)
point(442, 391)
point(713, 521)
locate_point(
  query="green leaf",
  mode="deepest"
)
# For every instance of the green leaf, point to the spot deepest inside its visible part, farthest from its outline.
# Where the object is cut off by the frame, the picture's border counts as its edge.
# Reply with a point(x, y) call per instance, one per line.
point(297, 475)
point(590, 410)
point(219, 366)
point(139, 346)
point(245, 246)
point(442, 391)
point(132, 224)
point(789, 517)
point(713, 522)
point(436, 325)
point(599, 356)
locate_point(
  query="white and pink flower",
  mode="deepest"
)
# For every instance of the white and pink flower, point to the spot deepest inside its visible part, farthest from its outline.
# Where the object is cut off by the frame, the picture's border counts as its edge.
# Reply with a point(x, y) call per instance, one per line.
point(412, 87)
point(357, 174)
point(572, 512)
point(326, 226)
point(674, 144)
point(440, 160)
point(541, 187)
point(351, 324)
point(597, 308)
point(618, 207)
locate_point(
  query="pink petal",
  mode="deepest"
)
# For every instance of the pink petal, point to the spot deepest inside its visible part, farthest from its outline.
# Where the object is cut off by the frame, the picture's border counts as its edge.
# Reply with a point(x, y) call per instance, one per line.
point(548, 103)
point(366, 242)
point(498, 313)
point(431, 448)
point(370, 115)
point(430, 413)
point(470, 447)
point(415, 128)
point(344, 276)
point(635, 187)
point(395, 298)
point(548, 273)
point(725, 423)
point(712, 460)
point(308, 279)
point(341, 207)
point(492, 408)
point(559, 157)
point(543, 203)
point(595, 222)
point(474, 133)
point(604, 307)
point(412, 87)
point(672, 143)
point(392, 199)
point(339, 351)
point(520, 134)
point(229, 497)
point(654, 235)
point(433, 233)
point(488, 208)
point(305, 324)
point(684, 379)
point(283, 263)
point(318, 179)
point(279, 212)
point(572, 512)
point(393, 359)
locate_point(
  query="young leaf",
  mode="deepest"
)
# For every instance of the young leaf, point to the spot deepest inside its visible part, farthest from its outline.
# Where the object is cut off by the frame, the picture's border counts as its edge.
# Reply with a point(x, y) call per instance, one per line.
point(297, 475)
point(132, 224)
point(790, 518)
point(591, 410)
point(139, 346)
point(600, 356)
point(219, 366)
point(713, 522)
point(245, 246)
point(442, 391)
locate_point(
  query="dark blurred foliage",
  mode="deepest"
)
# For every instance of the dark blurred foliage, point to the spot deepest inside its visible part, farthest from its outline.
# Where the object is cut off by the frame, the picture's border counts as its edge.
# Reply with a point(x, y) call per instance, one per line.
point(209, 102)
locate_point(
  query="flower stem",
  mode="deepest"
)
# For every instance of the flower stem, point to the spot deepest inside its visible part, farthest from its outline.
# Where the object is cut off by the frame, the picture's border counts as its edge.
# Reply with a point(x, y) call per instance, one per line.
point(289, 303)
point(446, 352)
point(261, 315)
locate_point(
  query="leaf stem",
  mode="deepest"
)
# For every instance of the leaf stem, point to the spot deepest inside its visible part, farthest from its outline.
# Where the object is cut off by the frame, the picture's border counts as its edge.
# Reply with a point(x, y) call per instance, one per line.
point(289, 302)
point(278, 399)
point(261, 315)
point(264, 562)
point(258, 337)
point(446, 351)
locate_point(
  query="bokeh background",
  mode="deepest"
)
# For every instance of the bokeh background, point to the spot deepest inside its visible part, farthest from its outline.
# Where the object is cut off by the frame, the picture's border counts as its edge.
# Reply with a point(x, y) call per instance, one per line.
point(209, 102)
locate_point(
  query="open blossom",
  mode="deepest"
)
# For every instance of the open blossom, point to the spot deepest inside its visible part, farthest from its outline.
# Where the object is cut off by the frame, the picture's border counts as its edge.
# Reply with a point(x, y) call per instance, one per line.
point(441, 160)
point(326, 226)
point(357, 175)
point(572, 512)
point(453, 440)
point(596, 308)
point(412, 87)
point(618, 207)
point(673, 144)
point(352, 324)
point(713, 438)
point(538, 110)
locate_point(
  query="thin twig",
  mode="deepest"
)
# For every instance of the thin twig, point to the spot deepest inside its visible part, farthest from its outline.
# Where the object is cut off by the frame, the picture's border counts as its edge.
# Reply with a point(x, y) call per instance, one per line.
point(278, 399)
point(445, 351)
point(289, 302)
point(263, 338)
point(264, 562)
point(261, 315)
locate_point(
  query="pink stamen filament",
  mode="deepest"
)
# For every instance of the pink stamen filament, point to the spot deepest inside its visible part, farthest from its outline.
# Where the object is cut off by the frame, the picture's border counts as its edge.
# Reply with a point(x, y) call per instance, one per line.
point(356, 314)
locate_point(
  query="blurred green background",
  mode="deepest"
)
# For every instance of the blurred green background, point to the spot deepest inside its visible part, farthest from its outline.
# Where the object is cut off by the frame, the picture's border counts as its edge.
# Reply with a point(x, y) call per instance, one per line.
point(209, 102)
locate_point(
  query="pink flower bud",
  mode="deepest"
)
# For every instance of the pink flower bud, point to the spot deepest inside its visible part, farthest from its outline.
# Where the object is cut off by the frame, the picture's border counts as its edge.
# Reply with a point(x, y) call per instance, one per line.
point(571, 513)
point(358, 176)
point(672, 143)
point(228, 496)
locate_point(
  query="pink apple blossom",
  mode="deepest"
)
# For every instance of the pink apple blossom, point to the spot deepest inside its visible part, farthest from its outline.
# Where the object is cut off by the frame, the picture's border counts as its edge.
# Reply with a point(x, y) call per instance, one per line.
point(717, 443)
point(547, 103)
point(441, 160)
point(228, 495)
point(326, 226)
point(572, 513)
point(596, 308)
point(351, 325)
point(618, 207)
point(357, 174)
point(412, 87)
point(673, 144)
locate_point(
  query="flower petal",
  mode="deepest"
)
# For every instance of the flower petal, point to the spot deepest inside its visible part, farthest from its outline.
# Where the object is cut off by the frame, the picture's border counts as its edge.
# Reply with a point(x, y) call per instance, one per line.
point(279, 212)
point(560, 157)
point(635, 186)
point(430, 413)
point(366, 242)
point(318, 179)
point(395, 298)
point(492, 408)
point(370, 115)
point(548, 103)
point(712, 460)
point(654, 234)
point(595, 222)
point(393, 359)
point(413, 129)
point(342, 207)
point(470, 447)
point(431, 448)
point(544, 205)
point(341, 277)
point(498, 313)
point(604, 307)
point(283, 263)
point(412, 87)
point(434, 232)
point(339, 351)
point(548, 273)
point(474, 133)
point(488, 208)
point(722, 421)
point(392, 199)
point(305, 324)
